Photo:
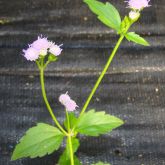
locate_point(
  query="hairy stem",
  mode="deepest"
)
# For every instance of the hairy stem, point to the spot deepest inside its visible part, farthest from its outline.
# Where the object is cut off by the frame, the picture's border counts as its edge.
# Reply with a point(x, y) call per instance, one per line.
point(46, 101)
point(71, 150)
point(102, 75)
point(70, 140)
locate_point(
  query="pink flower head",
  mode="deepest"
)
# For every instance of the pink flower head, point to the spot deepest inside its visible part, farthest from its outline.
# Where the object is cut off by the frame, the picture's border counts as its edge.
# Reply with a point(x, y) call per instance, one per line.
point(138, 4)
point(64, 98)
point(41, 47)
point(69, 104)
point(31, 54)
point(55, 49)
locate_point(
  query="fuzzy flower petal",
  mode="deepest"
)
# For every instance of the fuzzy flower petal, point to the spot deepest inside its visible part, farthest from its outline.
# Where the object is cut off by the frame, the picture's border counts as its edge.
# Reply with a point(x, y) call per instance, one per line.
point(55, 50)
point(40, 43)
point(69, 104)
point(138, 4)
point(64, 98)
point(31, 54)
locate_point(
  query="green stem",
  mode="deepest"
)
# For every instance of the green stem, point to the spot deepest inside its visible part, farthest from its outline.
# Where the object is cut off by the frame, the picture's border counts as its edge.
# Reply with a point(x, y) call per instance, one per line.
point(45, 65)
point(102, 75)
point(71, 150)
point(70, 140)
point(46, 101)
point(68, 122)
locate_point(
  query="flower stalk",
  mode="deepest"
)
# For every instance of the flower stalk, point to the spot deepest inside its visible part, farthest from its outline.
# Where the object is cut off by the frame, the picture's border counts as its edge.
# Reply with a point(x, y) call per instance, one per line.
point(107, 65)
point(71, 150)
point(101, 75)
point(70, 139)
point(46, 100)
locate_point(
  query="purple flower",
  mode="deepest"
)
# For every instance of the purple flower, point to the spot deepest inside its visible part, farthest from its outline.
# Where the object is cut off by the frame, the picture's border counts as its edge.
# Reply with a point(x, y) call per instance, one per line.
point(55, 50)
point(138, 4)
point(40, 44)
point(69, 104)
point(41, 47)
point(64, 98)
point(31, 54)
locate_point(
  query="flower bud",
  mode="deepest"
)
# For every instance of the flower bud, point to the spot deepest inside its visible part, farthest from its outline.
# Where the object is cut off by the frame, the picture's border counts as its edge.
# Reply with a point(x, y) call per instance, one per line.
point(134, 15)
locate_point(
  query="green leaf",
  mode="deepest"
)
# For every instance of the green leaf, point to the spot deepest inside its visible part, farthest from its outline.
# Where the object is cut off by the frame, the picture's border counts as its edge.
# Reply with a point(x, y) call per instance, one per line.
point(132, 36)
point(106, 13)
point(95, 123)
point(72, 119)
point(39, 140)
point(65, 160)
point(101, 163)
point(76, 161)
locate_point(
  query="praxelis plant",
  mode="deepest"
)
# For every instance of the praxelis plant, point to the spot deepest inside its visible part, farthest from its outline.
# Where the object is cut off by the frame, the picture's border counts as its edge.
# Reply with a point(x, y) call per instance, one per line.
point(44, 139)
